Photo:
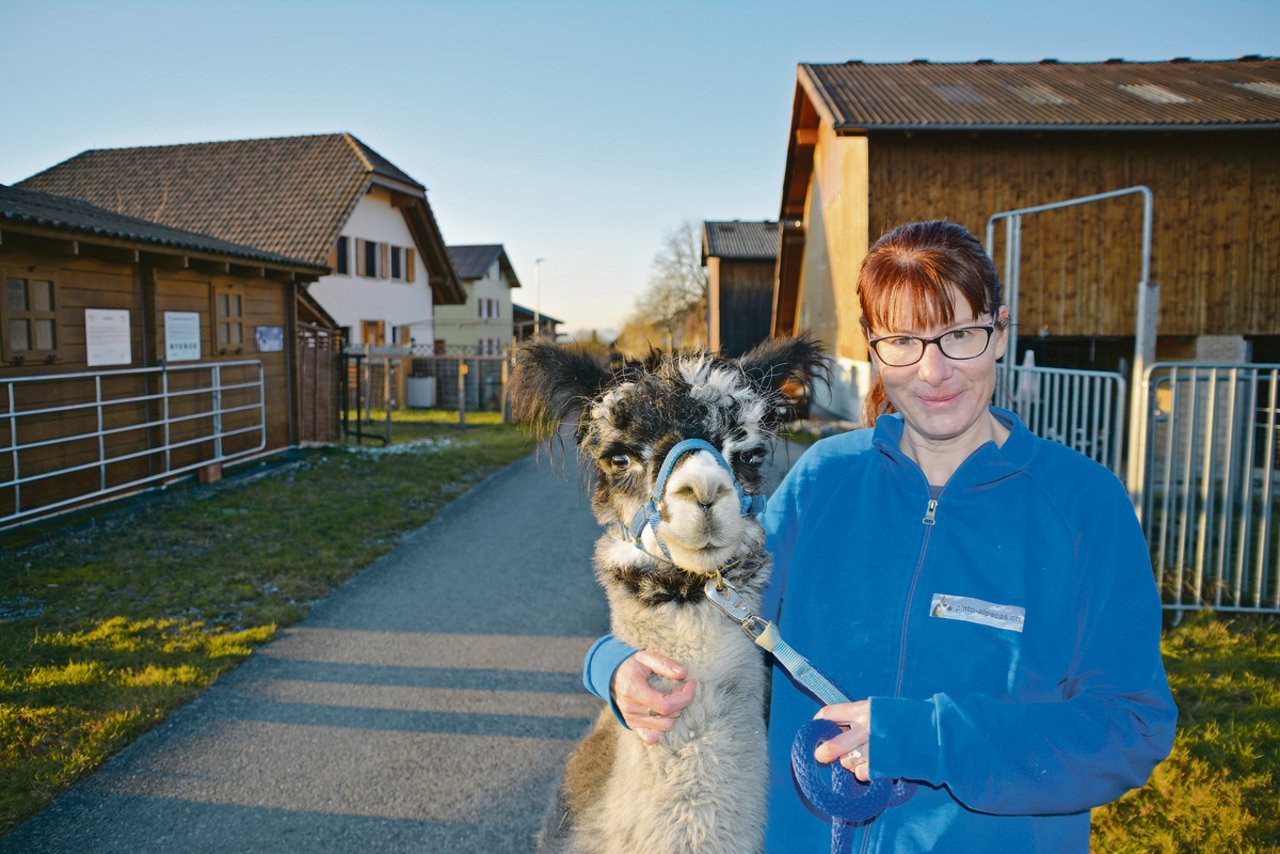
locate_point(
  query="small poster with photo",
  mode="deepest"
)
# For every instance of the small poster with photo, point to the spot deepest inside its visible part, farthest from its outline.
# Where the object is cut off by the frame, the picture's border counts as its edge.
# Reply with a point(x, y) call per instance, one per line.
point(270, 339)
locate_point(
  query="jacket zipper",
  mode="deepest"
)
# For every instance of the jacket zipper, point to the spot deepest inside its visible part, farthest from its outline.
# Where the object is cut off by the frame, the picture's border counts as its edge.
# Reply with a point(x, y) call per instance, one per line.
point(930, 515)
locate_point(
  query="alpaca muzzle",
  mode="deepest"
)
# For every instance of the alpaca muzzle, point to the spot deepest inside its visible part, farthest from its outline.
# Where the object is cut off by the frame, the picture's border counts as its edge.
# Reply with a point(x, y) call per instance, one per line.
point(650, 515)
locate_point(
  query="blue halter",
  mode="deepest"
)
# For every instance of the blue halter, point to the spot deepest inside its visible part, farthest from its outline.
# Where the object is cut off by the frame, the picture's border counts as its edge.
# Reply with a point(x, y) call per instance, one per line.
point(649, 514)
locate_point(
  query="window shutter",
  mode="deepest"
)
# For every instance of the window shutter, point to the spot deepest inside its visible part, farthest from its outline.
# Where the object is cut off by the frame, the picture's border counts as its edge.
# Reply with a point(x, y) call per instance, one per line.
point(384, 264)
point(408, 265)
point(333, 257)
point(360, 257)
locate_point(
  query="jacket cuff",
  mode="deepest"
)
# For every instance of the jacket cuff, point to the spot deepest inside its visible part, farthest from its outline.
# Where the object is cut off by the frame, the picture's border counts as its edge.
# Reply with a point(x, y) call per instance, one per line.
point(598, 668)
point(904, 738)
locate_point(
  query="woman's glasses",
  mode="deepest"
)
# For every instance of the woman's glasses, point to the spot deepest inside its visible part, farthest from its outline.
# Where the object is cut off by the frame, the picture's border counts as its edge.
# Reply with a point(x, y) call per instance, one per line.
point(899, 351)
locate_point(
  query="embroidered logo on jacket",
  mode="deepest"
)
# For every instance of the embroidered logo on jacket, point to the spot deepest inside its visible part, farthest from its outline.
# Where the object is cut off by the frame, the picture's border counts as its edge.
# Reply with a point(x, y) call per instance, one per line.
point(977, 611)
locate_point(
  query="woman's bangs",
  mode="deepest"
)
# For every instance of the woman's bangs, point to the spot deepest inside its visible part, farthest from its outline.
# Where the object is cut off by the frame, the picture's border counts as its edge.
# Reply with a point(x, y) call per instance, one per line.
point(912, 303)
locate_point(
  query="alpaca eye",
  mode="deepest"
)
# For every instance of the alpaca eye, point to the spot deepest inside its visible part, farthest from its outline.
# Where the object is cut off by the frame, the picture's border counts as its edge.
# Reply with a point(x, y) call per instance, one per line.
point(754, 457)
point(620, 462)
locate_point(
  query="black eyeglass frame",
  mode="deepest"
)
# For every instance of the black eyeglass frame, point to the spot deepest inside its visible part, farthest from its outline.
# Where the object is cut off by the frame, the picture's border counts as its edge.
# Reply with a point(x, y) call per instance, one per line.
point(989, 328)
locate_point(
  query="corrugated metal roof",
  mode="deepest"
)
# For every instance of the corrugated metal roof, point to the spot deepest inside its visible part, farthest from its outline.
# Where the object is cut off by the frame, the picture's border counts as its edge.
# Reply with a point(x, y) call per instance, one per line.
point(288, 195)
point(1048, 95)
point(59, 213)
point(740, 239)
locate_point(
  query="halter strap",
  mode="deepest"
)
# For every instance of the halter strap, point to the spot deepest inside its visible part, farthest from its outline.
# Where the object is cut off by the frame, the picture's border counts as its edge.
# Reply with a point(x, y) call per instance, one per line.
point(649, 514)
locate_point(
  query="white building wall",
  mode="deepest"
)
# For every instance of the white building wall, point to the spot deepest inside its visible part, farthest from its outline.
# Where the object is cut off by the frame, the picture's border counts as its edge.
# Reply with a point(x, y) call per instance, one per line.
point(352, 298)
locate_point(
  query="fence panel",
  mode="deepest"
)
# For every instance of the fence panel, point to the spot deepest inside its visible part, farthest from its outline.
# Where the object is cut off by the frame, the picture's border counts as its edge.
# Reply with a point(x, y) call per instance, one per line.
point(68, 438)
point(1211, 496)
point(1081, 409)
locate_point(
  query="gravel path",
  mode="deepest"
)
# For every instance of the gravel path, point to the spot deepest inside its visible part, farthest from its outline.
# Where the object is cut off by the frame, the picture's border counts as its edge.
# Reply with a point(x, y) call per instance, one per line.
point(428, 705)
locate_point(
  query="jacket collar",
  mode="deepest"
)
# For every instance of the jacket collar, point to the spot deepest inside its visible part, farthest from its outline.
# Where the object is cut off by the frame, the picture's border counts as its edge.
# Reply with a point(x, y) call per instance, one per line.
point(987, 464)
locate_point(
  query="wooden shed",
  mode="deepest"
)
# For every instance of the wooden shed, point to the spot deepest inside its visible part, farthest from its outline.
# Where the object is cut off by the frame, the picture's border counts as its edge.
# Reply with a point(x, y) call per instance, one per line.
point(133, 353)
point(740, 257)
point(875, 145)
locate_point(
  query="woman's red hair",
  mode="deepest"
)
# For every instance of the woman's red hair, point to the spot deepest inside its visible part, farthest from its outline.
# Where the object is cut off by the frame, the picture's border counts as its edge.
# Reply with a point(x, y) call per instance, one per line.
point(911, 275)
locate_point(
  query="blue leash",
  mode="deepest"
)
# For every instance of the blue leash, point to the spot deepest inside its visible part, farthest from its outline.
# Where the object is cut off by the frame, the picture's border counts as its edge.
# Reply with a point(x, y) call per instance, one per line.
point(838, 793)
point(842, 796)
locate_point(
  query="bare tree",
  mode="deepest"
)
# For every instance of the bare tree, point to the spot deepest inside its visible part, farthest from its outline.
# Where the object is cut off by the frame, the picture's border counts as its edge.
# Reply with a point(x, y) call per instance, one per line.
point(675, 301)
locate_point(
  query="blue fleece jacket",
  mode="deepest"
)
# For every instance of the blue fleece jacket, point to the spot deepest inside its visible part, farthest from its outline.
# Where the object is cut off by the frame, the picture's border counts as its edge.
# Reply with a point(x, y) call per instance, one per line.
point(1007, 633)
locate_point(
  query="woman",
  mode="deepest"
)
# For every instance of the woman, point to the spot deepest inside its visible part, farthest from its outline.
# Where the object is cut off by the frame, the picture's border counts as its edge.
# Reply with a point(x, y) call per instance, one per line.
point(989, 593)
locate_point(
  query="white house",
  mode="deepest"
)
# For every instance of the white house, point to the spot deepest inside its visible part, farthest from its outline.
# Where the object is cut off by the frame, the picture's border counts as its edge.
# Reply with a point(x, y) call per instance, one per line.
point(327, 199)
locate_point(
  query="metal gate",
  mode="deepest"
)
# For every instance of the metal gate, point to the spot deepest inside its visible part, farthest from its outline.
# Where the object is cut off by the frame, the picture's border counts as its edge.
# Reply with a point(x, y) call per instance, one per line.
point(1081, 409)
point(1210, 492)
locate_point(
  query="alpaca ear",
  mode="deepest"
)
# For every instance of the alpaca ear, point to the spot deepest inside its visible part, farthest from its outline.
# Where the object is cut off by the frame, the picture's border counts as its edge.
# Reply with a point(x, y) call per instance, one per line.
point(551, 382)
point(774, 362)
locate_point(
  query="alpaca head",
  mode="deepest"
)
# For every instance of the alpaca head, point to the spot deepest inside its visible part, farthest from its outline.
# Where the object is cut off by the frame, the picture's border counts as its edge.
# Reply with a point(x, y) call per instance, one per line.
point(628, 420)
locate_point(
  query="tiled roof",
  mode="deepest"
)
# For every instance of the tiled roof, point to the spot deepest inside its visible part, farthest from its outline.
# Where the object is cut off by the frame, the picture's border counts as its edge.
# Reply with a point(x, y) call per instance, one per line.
point(473, 262)
point(58, 213)
point(740, 239)
point(289, 195)
point(1048, 95)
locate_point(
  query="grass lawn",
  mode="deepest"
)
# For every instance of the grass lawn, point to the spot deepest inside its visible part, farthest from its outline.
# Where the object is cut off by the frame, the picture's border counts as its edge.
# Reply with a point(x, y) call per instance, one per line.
point(111, 619)
point(1217, 790)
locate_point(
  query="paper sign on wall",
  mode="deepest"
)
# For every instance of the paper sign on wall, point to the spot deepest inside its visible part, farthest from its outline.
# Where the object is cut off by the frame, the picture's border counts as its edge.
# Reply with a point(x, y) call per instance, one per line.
point(181, 336)
point(106, 337)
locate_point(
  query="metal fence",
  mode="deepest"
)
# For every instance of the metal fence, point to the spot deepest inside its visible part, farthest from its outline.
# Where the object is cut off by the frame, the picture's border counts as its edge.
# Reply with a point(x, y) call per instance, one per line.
point(484, 380)
point(68, 438)
point(1211, 490)
point(1081, 409)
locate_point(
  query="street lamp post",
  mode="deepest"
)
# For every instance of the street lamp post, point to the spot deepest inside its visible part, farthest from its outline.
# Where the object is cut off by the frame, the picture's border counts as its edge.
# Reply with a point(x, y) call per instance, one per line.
point(537, 296)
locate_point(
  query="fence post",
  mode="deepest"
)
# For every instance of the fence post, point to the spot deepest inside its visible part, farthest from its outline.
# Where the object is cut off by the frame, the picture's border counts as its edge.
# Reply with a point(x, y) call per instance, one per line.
point(462, 390)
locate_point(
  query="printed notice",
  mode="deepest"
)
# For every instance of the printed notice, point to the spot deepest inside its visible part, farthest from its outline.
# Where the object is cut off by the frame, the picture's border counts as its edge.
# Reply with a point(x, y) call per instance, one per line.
point(106, 336)
point(181, 336)
point(970, 610)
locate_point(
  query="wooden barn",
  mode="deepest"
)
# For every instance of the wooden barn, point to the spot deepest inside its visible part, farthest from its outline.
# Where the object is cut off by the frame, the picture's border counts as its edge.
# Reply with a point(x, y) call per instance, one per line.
point(740, 257)
point(875, 145)
point(133, 353)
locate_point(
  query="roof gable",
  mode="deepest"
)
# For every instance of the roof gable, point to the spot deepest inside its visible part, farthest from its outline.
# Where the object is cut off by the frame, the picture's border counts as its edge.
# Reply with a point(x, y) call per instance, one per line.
point(1047, 95)
point(740, 240)
point(472, 261)
point(287, 195)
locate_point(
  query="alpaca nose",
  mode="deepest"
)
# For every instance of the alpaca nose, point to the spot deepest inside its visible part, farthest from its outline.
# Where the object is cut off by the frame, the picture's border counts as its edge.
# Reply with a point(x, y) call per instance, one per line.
point(704, 494)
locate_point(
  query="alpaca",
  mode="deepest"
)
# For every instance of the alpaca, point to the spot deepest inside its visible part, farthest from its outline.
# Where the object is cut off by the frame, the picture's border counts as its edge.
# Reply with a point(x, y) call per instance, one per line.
point(702, 787)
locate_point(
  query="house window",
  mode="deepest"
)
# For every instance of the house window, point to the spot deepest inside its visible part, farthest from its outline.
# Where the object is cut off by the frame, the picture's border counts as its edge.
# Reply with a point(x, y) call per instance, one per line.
point(343, 260)
point(397, 263)
point(30, 317)
point(228, 318)
point(370, 259)
point(373, 332)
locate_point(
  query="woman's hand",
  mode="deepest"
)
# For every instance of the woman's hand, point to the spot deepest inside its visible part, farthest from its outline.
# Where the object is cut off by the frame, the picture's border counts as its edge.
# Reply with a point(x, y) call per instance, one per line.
point(648, 711)
point(850, 746)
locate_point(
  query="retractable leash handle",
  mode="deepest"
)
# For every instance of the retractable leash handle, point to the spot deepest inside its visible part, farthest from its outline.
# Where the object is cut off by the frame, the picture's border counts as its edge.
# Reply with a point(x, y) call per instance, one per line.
point(845, 797)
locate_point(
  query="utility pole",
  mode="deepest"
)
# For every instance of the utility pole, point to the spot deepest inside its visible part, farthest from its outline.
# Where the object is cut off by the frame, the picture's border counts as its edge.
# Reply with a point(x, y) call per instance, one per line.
point(537, 297)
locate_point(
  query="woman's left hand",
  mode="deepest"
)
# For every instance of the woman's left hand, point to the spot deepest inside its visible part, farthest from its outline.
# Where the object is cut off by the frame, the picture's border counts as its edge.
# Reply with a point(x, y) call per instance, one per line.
point(850, 746)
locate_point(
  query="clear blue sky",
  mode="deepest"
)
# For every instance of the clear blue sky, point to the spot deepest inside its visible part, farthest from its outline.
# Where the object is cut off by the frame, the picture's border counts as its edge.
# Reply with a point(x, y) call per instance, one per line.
point(576, 131)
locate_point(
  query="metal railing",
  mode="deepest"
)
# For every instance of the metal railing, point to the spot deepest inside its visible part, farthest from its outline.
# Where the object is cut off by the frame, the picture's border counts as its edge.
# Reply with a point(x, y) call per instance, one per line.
point(1211, 490)
point(1081, 409)
point(129, 425)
